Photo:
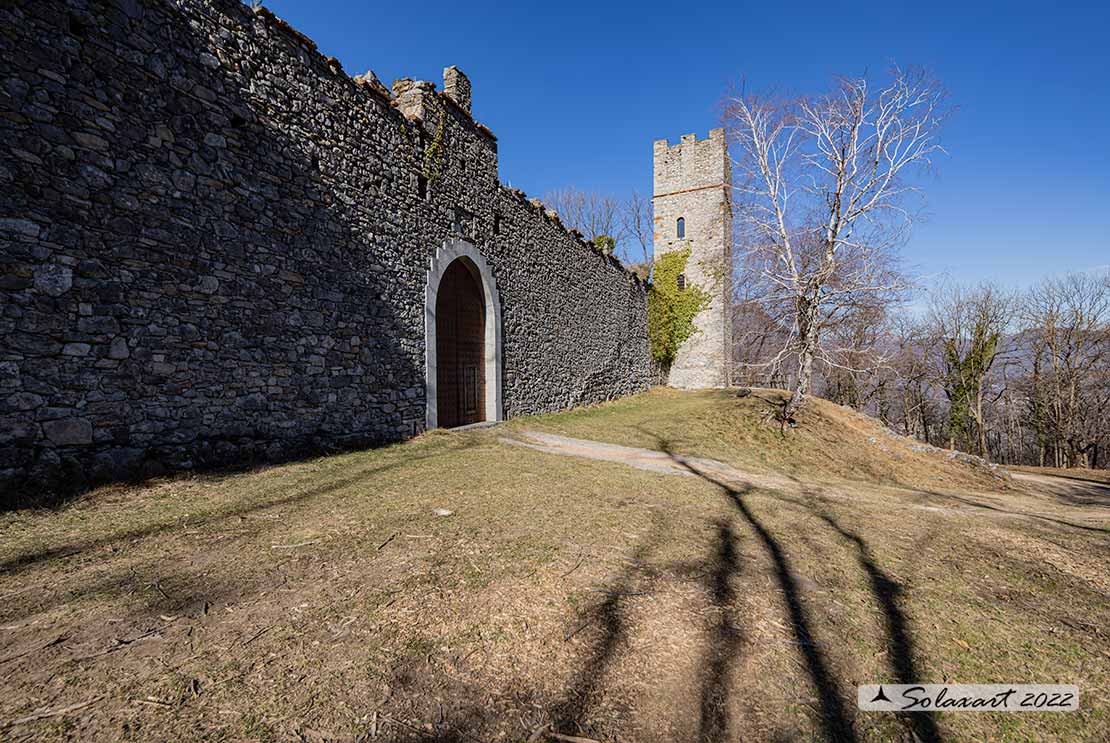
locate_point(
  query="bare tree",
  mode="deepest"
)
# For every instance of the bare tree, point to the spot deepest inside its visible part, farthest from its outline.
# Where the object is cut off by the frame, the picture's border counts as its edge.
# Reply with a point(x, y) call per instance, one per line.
point(859, 349)
point(638, 231)
point(623, 225)
point(1067, 338)
point(757, 337)
point(591, 213)
point(968, 326)
point(918, 408)
point(825, 195)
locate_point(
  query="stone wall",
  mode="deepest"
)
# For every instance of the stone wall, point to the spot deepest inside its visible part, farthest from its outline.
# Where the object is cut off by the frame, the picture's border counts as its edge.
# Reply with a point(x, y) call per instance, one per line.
point(693, 181)
point(214, 246)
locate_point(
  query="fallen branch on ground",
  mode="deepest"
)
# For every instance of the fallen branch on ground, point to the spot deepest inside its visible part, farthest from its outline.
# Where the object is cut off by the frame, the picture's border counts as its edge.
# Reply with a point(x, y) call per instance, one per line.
point(256, 635)
point(578, 629)
point(424, 732)
point(120, 644)
point(576, 566)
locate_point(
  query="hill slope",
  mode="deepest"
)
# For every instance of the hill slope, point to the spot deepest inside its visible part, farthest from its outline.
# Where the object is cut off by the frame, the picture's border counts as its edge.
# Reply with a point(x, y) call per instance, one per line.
point(831, 441)
point(463, 588)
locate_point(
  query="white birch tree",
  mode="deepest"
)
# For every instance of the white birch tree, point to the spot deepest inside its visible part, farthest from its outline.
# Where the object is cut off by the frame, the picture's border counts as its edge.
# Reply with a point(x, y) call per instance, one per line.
point(826, 189)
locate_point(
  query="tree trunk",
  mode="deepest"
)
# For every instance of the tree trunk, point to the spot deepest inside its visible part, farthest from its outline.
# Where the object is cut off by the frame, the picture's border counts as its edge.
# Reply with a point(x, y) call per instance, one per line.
point(981, 430)
point(801, 388)
point(807, 348)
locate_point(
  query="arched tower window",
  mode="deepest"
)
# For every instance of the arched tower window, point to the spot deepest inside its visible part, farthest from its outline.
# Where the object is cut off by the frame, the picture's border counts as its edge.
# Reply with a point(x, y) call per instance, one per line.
point(680, 227)
point(682, 282)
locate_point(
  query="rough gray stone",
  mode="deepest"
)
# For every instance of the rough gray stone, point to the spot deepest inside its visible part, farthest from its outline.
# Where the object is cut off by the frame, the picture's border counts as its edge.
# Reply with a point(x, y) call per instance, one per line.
point(68, 431)
point(25, 401)
point(53, 279)
point(118, 349)
point(24, 227)
point(235, 237)
point(98, 325)
point(91, 141)
point(16, 429)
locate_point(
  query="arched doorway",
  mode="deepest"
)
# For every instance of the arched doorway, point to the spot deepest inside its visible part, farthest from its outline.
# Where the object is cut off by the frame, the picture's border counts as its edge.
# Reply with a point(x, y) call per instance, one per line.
point(462, 326)
point(460, 346)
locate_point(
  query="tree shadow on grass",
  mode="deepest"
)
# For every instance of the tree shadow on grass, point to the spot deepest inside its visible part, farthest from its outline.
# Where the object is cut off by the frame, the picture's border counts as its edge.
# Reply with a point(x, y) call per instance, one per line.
point(835, 719)
point(233, 510)
point(886, 590)
point(724, 641)
point(610, 616)
point(1035, 516)
point(900, 645)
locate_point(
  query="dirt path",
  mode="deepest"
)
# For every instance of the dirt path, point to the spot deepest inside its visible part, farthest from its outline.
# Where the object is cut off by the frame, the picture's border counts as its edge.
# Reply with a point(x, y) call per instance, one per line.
point(331, 599)
point(1037, 496)
point(1070, 490)
point(667, 463)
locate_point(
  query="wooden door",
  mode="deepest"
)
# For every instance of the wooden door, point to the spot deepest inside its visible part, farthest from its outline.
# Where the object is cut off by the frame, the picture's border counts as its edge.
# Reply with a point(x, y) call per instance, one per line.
point(460, 348)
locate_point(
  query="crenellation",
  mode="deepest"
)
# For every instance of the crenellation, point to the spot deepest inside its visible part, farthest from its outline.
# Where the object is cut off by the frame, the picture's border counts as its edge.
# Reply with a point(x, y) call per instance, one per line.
point(456, 86)
point(369, 81)
point(693, 182)
point(232, 266)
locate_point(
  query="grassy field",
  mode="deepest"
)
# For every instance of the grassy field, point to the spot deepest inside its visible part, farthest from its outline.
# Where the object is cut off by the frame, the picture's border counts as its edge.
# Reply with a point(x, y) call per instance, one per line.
point(327, 600)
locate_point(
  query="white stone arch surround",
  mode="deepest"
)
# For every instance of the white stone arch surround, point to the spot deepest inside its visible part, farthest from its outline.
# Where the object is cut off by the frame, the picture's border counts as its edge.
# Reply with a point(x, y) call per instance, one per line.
point(444, 256)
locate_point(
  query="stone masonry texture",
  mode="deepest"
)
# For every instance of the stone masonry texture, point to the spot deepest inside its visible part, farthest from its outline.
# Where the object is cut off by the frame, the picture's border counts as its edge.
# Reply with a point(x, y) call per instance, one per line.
point(214, 245)
point(693, 181)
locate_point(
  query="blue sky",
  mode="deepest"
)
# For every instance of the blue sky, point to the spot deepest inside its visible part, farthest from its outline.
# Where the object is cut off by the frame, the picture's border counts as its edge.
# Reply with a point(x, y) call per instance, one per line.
point(576, 93)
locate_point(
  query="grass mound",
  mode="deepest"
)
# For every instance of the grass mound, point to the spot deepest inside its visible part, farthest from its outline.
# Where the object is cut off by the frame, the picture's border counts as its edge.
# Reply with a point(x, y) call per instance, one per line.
point(831, 441)
point(456, 587)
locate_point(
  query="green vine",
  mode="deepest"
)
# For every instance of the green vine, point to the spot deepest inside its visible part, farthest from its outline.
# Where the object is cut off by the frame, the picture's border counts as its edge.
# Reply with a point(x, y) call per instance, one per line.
point(671, 310)
point(964, 376)
point(434, 154)
point(406, 136)
point(605, 244)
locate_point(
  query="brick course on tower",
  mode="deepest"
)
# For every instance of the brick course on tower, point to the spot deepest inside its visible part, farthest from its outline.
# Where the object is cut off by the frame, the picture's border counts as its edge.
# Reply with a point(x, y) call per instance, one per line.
point(693, 182)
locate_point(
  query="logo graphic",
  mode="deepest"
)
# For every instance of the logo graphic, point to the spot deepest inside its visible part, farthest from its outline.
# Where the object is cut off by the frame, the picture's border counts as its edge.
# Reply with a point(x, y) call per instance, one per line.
point(968, 697)
point(881, 697)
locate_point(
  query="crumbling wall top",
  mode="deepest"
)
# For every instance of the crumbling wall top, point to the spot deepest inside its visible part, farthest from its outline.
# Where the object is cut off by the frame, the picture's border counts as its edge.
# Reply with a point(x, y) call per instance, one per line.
point(457, 87)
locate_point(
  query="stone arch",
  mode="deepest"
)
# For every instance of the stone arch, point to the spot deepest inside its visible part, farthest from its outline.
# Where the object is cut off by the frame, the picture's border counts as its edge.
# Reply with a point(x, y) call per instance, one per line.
point(451, 251)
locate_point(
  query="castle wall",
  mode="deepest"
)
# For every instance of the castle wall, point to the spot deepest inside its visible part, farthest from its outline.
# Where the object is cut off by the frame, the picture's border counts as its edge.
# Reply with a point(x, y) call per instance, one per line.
point(214, 246)
point(692, 180)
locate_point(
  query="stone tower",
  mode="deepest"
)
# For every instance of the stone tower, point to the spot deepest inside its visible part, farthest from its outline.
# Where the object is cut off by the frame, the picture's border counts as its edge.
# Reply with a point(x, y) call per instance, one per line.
point(693, 209)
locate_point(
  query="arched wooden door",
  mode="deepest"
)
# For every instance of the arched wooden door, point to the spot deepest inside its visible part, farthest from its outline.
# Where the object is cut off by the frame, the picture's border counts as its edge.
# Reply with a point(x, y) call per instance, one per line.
point(460, 347)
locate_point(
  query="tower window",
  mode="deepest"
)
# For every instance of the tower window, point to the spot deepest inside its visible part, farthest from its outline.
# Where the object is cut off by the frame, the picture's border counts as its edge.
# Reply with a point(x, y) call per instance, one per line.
point(682, 282)
point(680, 227)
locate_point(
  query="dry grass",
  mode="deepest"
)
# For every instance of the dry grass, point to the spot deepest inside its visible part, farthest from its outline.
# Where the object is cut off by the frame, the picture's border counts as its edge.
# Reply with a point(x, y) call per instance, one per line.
point(1099, 476)
point(325, 600)
point(832, 442)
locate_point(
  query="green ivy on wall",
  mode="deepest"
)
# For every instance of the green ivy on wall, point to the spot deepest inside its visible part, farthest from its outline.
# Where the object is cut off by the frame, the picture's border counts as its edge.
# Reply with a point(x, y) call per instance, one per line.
point(434, 154)
point(605, 244)
point(671, 310)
